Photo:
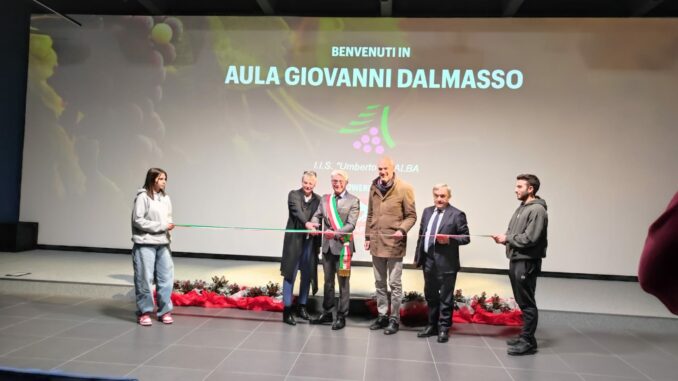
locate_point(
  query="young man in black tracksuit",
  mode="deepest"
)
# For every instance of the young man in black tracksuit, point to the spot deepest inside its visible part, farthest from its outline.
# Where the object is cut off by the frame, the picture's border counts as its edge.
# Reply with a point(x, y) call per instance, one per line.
point(526, 243)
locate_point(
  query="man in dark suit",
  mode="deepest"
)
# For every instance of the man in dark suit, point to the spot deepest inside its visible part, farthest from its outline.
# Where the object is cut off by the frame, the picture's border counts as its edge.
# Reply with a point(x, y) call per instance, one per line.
point(339, 213)
point(443, 228)
point(300, 251)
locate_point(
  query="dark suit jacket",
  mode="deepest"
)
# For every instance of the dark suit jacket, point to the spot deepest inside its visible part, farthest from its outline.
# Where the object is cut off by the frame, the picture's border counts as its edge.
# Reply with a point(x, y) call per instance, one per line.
point(300, 213)
point(446, 256)
point(349, 210)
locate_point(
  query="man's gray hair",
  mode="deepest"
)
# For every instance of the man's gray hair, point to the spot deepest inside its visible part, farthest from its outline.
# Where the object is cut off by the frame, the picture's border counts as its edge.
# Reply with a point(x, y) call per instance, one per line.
point(340, 172)
point(441, 186)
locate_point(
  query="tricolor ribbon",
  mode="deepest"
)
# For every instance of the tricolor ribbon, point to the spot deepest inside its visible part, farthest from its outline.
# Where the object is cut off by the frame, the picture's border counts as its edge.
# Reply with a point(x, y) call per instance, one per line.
point(337, 224)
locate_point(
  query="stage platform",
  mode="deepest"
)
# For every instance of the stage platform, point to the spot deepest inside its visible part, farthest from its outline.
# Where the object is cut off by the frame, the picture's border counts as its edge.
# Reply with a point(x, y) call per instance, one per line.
point(103, 275)
point(74, 312)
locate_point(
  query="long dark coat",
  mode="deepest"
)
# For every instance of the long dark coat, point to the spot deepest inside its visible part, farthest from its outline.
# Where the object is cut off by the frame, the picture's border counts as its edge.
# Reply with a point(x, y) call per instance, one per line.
point(300, 212)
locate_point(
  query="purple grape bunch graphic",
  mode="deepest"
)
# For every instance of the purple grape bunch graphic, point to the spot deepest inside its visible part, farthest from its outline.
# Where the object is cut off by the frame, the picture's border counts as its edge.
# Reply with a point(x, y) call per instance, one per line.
point(370, 142)
point(371, 139)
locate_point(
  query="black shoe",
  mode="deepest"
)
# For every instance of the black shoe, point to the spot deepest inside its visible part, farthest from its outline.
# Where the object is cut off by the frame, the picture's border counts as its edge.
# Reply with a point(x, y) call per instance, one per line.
point(339, 323)
point(430, 330)
point(515, 340)
point(302, 312)
point(523, 347)
point(288, 318)
point(443, 335)
point(392, 328)
point(381, 322)
point(325, 317)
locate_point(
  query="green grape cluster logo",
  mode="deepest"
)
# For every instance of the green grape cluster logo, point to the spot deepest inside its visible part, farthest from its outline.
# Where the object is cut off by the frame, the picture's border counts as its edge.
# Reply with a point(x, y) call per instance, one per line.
point(372, 127)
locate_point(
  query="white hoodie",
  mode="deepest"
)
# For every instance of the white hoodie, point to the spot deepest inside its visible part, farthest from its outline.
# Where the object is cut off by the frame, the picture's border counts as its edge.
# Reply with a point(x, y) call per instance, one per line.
point(151, 219)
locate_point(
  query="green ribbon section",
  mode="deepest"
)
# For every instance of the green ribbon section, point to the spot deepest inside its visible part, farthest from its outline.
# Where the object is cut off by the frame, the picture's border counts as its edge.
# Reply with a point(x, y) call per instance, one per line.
point(244, 228)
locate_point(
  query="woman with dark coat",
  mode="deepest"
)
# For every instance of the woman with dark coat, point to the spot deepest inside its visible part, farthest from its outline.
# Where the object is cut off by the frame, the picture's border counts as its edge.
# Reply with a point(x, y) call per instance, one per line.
point(300, 251)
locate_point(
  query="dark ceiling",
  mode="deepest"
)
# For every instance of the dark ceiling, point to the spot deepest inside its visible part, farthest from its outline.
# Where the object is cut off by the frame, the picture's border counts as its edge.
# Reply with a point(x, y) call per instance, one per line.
point(370, 8)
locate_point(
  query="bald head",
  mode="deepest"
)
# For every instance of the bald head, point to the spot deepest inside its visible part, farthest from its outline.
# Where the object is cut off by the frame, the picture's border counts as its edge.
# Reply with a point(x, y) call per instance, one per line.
point(386, 168)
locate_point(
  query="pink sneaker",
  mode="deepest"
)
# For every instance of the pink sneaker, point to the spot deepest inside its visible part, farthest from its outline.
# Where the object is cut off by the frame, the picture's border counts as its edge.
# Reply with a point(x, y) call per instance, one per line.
point(144, 320)
point(167, 318)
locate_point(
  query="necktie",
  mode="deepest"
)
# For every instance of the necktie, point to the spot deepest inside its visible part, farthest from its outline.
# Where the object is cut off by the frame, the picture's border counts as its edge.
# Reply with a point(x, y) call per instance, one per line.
point(431, 236)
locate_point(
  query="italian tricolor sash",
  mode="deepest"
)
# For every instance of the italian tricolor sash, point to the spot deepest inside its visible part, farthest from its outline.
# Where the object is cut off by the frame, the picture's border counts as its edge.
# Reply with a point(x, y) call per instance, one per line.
point(337, 223)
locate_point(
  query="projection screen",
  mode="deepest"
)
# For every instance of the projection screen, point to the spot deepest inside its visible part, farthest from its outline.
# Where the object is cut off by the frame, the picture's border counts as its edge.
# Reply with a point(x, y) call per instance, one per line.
point(236, 108)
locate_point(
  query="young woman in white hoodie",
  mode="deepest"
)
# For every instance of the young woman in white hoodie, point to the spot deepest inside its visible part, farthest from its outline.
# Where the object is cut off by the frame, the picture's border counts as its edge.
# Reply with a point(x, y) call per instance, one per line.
point(151, 255)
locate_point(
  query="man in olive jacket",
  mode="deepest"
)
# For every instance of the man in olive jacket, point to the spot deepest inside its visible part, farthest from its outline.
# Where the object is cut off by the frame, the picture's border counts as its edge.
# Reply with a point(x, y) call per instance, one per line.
point(390, 215)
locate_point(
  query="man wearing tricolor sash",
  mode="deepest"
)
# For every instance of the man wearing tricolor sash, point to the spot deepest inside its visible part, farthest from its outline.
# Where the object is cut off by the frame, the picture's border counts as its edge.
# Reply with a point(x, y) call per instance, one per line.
point(336, 217)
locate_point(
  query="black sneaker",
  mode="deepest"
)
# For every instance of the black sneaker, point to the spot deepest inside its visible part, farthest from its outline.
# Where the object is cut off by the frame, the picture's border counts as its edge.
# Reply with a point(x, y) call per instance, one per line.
point(381, 322)
point(515, 340)
point(522, 348)
point(443, 335)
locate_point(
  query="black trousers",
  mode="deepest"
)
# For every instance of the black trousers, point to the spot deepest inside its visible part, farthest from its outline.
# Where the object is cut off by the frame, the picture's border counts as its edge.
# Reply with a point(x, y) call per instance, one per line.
point(330, 267)
point(439, 294)
point(523, 274)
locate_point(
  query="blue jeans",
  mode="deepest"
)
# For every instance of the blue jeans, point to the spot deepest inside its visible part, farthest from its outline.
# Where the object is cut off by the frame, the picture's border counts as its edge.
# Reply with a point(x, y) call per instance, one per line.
point(304, 267)
point(153, 261)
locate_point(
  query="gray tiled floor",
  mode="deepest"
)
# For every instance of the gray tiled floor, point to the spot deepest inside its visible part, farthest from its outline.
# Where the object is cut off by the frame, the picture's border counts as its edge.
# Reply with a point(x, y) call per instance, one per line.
point(99, 336)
